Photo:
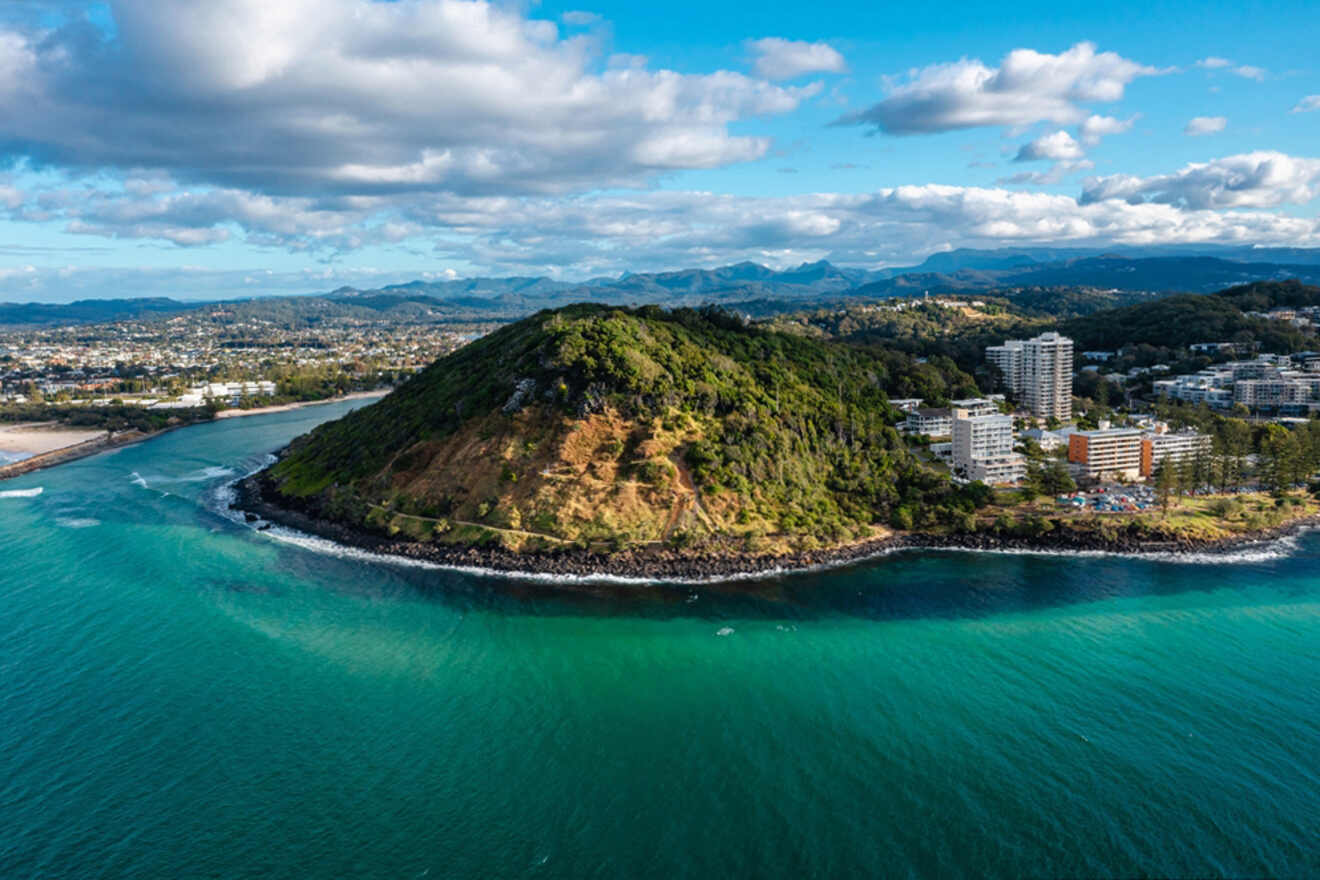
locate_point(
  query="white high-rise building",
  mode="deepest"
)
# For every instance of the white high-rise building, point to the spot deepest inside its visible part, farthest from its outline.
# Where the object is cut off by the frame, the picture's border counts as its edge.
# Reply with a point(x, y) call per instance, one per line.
point(983, 449)
point(1039, 372)
point(1008, 358)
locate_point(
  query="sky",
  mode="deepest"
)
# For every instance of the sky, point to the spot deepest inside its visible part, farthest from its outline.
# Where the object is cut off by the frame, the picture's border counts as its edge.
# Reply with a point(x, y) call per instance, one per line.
point(202, 149)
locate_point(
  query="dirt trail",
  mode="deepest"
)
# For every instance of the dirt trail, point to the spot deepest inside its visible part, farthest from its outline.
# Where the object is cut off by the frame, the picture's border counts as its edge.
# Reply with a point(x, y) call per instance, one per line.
point(686, 489)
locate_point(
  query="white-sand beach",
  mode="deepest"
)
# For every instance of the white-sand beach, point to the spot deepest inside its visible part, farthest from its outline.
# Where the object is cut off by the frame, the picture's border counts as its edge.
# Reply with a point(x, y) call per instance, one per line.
point(35, 438)
point(285, 407)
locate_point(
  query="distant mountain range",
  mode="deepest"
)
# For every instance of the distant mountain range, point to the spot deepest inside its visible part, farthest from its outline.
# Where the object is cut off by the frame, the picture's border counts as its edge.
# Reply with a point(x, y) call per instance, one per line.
point(1170, 269)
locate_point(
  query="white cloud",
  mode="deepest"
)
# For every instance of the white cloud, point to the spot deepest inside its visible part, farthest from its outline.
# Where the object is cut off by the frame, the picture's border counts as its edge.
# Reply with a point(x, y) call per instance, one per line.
point(353, 96)
point(1262, 179)
point(1200, 125)
point(1059, 146)
point(1093, 128)
point(1246, 71)
point(1307, 104)
point(579, 18)
point(1026, 88)
point(778, 58)
point(585, 235)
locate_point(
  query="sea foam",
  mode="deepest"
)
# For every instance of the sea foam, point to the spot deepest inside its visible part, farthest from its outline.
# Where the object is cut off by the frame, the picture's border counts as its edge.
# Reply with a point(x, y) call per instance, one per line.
point(21, 493)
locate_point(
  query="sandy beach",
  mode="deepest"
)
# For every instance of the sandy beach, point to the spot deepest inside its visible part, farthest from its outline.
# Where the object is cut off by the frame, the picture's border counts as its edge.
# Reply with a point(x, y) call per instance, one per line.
point(36, 438)
point(285, 407)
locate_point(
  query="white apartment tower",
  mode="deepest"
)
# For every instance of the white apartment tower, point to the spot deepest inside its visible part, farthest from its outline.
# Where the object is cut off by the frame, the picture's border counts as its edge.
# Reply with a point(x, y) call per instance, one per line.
point(983, 449)
point(1039, 372)
point(1008, 358)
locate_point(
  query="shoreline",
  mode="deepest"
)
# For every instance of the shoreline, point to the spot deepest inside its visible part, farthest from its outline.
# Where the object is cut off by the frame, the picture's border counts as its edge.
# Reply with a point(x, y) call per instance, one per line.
point(66, 454)
point(237, 413)
point(671, 566)
point(107, 441)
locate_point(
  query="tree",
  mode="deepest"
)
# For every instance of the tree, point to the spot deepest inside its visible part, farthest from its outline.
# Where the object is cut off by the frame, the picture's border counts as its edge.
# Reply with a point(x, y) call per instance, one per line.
point(1278, 458)
point(1165, 484)
point(1055, 479)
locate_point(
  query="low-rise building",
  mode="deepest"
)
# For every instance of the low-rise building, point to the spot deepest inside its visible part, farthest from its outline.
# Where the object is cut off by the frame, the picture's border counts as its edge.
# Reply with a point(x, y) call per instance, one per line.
point(1048, 441)
point(976, 406)
point(928, 421)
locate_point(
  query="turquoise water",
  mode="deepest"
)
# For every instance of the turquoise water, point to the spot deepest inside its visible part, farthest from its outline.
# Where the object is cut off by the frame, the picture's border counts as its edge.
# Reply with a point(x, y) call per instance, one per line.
point(181, 696)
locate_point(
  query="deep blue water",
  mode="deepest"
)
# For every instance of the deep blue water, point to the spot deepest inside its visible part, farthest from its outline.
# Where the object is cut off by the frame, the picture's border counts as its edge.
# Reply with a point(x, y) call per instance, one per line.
point(181, 696)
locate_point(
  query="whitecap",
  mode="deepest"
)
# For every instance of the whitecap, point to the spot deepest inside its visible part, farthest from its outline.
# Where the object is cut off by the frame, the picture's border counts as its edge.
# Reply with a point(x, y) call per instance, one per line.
point(75, 522)
point(137, 480)
point(21, 493)
point(724, 631)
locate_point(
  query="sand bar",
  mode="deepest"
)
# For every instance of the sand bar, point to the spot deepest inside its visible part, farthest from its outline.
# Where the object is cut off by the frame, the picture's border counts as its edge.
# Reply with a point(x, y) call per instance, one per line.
point(36, 438)
point(285, 407)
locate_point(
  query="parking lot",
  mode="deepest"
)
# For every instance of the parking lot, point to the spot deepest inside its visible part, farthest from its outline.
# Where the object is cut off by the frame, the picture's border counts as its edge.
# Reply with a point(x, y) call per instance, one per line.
point(1110, 499)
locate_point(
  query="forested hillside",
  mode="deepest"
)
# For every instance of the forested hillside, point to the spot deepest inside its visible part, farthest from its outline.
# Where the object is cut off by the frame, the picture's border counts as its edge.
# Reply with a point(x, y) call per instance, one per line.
point(632, 426)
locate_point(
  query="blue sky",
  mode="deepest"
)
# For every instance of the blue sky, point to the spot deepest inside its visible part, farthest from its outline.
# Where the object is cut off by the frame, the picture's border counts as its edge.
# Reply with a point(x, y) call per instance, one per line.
point(240, 147)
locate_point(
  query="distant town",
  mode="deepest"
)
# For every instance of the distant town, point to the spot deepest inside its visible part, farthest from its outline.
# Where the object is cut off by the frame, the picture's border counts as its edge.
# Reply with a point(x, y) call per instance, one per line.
point(215, 356)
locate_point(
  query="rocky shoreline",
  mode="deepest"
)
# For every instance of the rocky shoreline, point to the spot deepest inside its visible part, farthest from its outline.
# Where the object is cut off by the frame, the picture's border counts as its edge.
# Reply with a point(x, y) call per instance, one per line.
point(672, 565)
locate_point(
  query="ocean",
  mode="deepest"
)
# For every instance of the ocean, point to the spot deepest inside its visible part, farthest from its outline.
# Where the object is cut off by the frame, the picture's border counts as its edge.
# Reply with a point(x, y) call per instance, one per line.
point(183, 696)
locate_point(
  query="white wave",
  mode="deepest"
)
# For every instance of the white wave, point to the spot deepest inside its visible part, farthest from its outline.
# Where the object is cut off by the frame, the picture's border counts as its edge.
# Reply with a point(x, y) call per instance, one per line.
point(224, 496)
point(21, 493)
point(204, 475)
point(220, 499)
point(1257, 551)
point(137, 480)
point(74, 522)
point(1265, 551)
point(724, 631)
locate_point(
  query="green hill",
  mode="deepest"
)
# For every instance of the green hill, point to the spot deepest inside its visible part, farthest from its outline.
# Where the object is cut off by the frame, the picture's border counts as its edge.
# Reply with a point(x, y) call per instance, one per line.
point(1178, 321)
point(599, 426)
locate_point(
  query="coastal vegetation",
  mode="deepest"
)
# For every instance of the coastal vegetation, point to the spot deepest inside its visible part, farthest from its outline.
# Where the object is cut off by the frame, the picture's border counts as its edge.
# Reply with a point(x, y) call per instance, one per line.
point(628, 427)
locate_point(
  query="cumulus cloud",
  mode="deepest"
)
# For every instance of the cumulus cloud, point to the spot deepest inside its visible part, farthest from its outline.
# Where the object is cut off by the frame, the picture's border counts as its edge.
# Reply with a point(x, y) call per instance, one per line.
point(353, 96)
point(1307, 104)
point(1094, 127)
point(1026, 88)
point(1200, 125)
point(1245, 71)
point(778, 58)
point(1059, 146)
point(1262, 179)
point(578, 236)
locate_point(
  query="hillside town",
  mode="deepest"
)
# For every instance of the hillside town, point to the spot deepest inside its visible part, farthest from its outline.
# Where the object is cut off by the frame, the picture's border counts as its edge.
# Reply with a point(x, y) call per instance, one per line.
point(992, 439)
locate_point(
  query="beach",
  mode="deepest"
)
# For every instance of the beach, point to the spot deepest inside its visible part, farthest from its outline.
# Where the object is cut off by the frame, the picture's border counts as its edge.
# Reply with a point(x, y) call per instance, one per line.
point(287, 407)
point(27, 439)
point(32, 446)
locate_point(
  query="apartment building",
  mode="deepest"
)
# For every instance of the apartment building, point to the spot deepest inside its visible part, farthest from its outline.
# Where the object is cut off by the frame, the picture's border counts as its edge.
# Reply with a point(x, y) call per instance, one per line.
point(928, 421)
point(1172, 447)
point(1106, 453)
point(1039, 371)
point(975, 406)
point(983, 449)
